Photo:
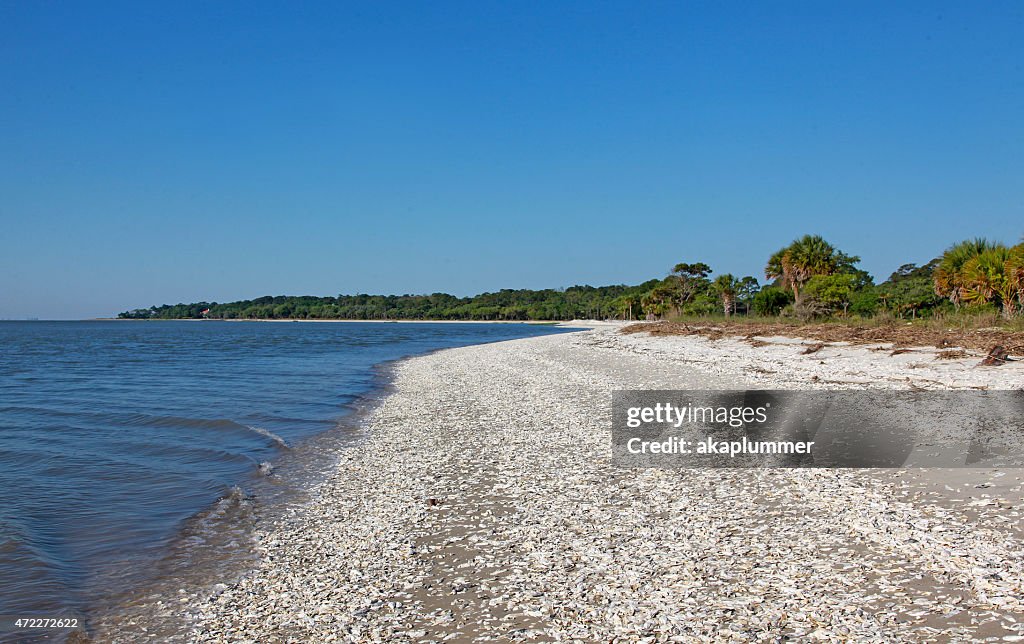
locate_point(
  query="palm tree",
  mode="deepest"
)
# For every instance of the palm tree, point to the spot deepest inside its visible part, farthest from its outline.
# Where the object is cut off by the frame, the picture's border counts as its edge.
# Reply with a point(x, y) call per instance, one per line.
point(985, 278)
point(625, 304)
point(803, 259)
point(949, 277)
point(727, 287)
point(977, 271)
point(658, 300)
point(1015, 274)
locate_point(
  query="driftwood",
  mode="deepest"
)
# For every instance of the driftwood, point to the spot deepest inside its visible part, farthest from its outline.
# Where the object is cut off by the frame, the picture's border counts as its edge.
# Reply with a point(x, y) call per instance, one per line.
point(996, 356)
point(814, 348)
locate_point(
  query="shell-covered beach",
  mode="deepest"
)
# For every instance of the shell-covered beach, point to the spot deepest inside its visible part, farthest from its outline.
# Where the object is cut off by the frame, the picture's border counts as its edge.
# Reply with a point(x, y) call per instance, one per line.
point(483, 505)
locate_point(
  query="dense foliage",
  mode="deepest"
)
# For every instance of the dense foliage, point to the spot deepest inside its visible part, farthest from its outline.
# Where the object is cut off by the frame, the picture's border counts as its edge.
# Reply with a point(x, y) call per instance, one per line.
point(810, 278)
point(980, 272)
point(567, 304)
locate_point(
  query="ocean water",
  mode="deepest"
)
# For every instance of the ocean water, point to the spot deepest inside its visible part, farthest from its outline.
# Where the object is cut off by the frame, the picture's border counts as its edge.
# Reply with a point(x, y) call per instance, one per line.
point(120, 441)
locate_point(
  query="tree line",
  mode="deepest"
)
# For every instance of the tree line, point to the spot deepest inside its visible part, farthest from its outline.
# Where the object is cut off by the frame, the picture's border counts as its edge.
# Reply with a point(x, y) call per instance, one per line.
point(809, 278)
point(523, 304)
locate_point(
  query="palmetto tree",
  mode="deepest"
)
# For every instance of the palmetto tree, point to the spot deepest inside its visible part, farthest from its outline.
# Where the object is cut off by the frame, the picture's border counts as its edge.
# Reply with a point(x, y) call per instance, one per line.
point(977, 271)
point(727, 287)
point(1015, 274)
point(950, 277)
point(983, 277)
point(658, 300)
point(803, 259)
point(625, 304)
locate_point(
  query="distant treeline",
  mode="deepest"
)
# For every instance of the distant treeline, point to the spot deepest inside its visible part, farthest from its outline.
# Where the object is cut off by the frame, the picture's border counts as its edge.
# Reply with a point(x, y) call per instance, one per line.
point(548, 304)
point(807, 279)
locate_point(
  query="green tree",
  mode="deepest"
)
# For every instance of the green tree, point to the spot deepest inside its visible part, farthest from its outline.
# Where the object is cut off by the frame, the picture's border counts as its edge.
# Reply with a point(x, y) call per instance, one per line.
point(1015, 273)
point(625, 304)
point(748, 288)
point(864, 303)
point(805, 258)
point(831, 293)
point(659, 300)
point(691, 278)
point(771, 300)
point(979, 272)
point(727, 287)
point(949, 277)
point(985, 279)
point(909, 290)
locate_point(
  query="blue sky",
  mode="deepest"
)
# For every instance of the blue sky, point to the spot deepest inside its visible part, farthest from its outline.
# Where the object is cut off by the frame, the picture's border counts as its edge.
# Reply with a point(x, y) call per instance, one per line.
point(162, 152)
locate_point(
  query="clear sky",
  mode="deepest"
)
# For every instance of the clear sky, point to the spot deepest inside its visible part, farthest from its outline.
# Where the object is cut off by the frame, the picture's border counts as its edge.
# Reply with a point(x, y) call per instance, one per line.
point(163, 152)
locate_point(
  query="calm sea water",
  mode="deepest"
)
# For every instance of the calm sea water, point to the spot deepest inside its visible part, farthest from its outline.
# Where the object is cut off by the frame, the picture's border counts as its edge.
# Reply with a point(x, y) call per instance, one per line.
point(115, 436)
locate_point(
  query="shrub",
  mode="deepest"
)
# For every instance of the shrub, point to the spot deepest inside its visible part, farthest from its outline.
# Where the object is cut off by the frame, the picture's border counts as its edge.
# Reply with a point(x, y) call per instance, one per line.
point(771, 301)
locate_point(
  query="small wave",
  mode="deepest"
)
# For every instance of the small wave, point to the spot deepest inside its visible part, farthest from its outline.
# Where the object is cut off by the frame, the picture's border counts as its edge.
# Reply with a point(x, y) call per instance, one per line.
point(271, 435)
point(204, 524)
point(235, 497)
point(201, 423)
point(180, 421)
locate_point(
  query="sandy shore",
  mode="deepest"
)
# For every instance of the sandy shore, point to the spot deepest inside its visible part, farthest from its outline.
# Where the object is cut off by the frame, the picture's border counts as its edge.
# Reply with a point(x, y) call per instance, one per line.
point(483, 505)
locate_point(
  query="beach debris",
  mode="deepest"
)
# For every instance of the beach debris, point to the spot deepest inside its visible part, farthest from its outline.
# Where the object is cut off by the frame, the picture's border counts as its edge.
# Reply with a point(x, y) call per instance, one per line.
point(899, 352)
point(997, 355)
point(952, 354)
point(814, 348)
point(891, 334)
